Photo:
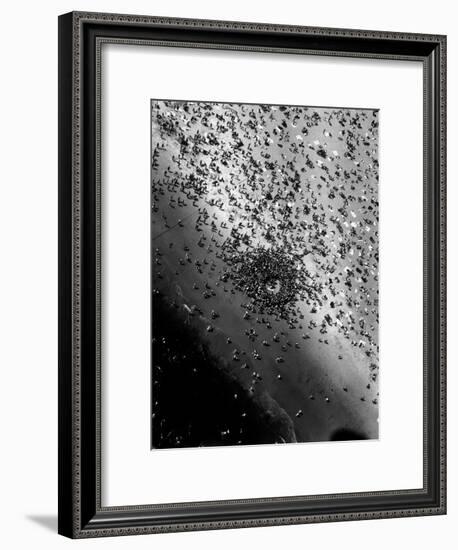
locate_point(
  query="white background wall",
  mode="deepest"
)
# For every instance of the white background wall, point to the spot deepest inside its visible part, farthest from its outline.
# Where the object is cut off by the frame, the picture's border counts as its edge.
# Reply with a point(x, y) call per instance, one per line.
point(28, 270)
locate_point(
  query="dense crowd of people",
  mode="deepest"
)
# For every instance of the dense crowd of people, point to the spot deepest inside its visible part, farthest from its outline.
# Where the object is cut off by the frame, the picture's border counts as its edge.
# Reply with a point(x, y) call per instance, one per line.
point(283, 205)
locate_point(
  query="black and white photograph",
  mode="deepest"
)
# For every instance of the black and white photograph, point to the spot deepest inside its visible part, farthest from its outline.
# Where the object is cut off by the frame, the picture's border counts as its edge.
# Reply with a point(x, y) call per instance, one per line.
point(226, 321)
point(252, 274)
point(265, 273)
point(225, 275)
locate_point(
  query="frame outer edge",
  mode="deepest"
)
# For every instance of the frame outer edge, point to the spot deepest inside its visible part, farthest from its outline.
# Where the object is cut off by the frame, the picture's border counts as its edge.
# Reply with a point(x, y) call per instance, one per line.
point(65, 249)
point(135, 19)
point(77, 170)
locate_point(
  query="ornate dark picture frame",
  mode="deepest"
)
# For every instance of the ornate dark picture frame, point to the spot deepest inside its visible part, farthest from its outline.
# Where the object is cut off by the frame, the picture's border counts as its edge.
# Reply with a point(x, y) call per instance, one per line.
point(81, 513)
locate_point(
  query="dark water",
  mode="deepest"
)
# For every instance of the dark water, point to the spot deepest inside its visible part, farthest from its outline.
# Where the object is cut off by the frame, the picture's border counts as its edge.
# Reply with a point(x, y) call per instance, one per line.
point(195, 397)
